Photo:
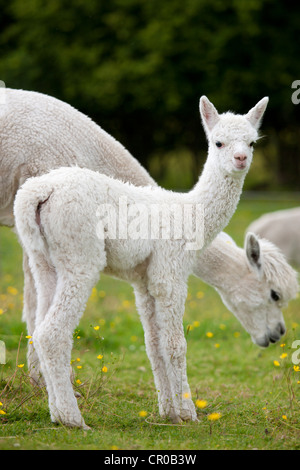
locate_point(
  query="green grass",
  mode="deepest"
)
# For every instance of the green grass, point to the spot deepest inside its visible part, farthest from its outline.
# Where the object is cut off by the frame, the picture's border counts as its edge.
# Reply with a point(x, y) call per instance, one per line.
point(235, 377)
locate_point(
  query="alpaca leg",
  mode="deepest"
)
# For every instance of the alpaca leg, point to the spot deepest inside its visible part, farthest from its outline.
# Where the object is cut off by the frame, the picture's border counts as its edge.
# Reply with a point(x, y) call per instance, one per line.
point(146, 307)
point(45, 280)
point(169, 313)
point(53, 339)
point(29, 316)
point(173, 347)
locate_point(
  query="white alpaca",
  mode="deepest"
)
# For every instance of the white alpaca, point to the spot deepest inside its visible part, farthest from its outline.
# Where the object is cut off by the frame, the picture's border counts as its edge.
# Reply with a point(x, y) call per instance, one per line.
point(40, 133)
point(56, 220)
point(283, 229)
point(258, 285)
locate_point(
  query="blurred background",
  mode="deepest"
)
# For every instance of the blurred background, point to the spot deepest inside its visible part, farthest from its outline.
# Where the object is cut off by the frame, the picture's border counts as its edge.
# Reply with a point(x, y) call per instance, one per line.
point(139, 67)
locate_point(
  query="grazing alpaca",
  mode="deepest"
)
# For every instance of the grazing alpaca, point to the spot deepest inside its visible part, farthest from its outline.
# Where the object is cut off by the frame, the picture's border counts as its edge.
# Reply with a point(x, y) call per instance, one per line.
point(283, 229)
point(259, 283)
point(56, 219)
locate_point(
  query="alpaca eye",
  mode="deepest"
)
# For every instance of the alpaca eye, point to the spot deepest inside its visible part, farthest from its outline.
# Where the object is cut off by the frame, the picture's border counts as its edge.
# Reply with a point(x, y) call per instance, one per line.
point(251, 144)
point(274, 295)
point(219, 144)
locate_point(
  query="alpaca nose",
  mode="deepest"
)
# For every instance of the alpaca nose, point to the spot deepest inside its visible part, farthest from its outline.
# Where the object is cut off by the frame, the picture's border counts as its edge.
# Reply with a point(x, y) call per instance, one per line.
point(240, 156)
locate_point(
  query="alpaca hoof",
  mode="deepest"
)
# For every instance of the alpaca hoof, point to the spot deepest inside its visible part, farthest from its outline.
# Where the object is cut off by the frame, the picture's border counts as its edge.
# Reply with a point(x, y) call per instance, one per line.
point(186, 415)
point(68, 417)
point(82, 425)
point(194, 419)
point(87, 428)
point(175, 419)
point(71, 424)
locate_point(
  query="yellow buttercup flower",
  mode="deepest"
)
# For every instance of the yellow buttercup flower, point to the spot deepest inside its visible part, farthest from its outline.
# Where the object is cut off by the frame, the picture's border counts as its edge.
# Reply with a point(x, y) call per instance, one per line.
point(12, 290)
point(2, 412)
point(96, 328)
point(143, 414)
point(100, 356)
point(104, 369)
point(209, 334)
point(283, 356)
point(276, 363)
point(201, 404)
point(214, 416)
point(94, 294)
point(20, 366)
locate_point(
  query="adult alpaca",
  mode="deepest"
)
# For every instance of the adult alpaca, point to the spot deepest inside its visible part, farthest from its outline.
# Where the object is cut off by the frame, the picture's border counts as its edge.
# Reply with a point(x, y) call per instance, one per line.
point(40, 133)
point(65, 269)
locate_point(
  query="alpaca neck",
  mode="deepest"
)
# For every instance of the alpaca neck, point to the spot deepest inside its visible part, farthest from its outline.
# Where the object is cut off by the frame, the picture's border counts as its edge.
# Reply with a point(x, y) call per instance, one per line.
point(221, 265)
point(218, 194)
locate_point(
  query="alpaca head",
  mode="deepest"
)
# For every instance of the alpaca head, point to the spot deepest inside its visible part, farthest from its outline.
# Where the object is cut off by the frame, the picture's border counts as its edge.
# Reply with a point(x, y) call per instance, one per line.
point(265, 285)
point(231, 136)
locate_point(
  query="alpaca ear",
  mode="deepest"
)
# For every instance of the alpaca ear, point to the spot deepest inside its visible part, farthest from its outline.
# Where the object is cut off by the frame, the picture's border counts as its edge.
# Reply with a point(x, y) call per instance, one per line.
point(209, 114)
point(255, 114)
point(253, 252)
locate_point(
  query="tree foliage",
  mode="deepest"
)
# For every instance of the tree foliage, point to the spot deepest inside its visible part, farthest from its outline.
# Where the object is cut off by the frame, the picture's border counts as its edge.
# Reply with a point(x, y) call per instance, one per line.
point(138, 67)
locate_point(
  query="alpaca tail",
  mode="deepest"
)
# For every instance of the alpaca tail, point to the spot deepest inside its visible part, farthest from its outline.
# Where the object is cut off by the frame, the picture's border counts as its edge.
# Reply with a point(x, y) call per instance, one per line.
point(27, 206)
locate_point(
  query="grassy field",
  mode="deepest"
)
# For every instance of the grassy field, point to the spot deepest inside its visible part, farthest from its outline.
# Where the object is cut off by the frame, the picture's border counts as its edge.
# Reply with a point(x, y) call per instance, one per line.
point(257, 399)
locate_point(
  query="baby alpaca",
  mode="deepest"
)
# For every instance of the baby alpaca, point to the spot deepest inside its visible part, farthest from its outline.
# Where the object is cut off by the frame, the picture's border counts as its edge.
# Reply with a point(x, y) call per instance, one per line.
point(56, 219)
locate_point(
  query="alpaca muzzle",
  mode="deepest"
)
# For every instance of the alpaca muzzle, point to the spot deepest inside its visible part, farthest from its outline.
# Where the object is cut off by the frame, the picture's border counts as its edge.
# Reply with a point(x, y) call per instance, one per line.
point(240, 161)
